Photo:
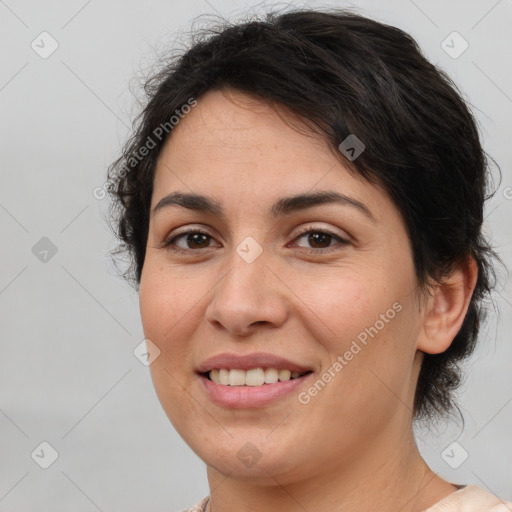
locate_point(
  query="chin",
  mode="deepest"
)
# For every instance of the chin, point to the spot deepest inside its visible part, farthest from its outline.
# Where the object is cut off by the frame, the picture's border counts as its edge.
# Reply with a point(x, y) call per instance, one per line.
point(252, 458)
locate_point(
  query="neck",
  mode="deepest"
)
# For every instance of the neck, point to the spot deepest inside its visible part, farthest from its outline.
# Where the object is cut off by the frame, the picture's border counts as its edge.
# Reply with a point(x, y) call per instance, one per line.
point(381, 478)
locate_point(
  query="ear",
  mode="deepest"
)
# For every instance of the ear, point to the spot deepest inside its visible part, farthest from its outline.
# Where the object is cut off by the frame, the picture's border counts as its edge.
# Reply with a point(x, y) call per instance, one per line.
point(445, 309)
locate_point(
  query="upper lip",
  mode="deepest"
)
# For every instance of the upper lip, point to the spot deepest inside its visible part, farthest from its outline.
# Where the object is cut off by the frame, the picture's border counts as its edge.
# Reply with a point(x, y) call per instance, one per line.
point(231, 360)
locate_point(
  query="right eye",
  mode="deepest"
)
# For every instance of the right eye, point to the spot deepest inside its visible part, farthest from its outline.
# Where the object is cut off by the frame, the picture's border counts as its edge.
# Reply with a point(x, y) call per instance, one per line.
point(192, 236)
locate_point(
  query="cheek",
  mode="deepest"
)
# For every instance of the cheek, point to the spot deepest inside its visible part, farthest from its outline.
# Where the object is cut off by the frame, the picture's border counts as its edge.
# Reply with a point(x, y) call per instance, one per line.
point(166, 301)
point(368, 320)
point(342, 304)
point(166, 307)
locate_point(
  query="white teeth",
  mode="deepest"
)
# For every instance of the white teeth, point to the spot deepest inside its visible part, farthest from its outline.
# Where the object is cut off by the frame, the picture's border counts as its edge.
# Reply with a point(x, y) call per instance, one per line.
point(224, 377)
point(236, 377)
point(271, 376)
point(253, 377)
point(284, 375)
point(214, 375)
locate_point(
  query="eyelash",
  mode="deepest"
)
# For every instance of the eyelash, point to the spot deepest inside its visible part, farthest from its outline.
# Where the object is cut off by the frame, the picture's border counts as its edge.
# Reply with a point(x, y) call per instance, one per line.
point(169, 244)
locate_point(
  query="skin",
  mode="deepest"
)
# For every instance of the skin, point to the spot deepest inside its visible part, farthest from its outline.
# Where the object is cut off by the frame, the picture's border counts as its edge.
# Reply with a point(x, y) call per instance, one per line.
point(351, 447)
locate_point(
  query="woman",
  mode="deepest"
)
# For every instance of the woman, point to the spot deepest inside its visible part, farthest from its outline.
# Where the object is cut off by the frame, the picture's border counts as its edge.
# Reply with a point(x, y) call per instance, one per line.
point(302, 201)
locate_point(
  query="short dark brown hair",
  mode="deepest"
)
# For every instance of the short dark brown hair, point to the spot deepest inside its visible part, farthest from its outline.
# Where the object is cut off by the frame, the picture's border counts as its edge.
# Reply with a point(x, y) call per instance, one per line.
point(343, 74)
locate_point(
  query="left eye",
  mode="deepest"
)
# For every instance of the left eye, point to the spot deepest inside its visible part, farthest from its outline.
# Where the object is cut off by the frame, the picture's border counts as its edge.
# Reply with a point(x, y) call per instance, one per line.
point(194, 236)
point(196, 239)
point(316, 237)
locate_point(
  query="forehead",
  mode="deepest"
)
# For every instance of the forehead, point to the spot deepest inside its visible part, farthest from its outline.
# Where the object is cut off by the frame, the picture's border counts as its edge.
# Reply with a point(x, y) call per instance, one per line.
point(232, 128)
point(239, 149)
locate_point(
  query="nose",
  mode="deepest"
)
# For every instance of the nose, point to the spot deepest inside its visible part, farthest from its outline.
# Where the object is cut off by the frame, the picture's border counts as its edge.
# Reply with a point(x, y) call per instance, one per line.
point(247, 296)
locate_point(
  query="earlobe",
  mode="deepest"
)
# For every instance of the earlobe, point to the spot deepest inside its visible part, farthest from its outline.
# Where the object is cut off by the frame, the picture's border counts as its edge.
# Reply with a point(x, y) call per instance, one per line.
point(446, 308)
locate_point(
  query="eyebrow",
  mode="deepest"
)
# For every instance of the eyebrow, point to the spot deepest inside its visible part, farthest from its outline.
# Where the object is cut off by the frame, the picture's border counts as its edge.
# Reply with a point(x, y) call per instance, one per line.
point(280, 208)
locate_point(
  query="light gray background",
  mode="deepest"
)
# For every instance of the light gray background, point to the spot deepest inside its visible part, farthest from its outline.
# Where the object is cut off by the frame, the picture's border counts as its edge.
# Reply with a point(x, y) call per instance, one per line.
point(68, 375)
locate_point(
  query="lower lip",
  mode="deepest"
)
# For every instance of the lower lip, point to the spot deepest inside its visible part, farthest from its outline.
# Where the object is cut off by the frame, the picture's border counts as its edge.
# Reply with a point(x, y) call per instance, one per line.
point(246, 397)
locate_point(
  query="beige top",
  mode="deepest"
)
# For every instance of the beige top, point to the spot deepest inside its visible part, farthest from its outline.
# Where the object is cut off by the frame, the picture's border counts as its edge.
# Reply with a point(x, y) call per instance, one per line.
point(469, 498)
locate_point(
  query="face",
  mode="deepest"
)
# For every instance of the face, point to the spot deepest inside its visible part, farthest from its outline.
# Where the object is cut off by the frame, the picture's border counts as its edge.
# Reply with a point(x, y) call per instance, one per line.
point(321, 286)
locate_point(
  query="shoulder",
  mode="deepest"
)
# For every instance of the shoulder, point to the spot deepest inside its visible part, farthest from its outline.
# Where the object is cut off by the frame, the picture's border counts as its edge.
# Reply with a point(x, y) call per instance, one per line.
point(200, 507)
point(471, 498)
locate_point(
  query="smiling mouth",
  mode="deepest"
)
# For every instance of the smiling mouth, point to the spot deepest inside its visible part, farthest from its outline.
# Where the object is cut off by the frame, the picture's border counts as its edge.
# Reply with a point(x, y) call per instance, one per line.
point(252, 377)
